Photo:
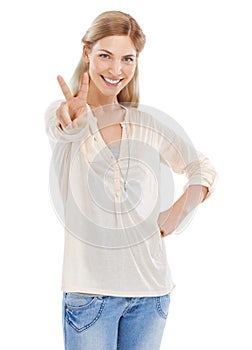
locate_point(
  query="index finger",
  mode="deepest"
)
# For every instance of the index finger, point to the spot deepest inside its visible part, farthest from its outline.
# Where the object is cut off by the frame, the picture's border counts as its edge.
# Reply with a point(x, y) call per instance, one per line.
point(83, 92)
point(65, 89)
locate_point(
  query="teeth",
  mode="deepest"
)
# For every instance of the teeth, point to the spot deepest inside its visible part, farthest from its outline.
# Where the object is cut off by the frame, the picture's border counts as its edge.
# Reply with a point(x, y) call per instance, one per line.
point(110, 81)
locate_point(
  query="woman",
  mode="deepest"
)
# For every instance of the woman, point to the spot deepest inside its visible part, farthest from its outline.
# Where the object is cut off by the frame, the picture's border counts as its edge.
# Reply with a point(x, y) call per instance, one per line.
point(105, 179)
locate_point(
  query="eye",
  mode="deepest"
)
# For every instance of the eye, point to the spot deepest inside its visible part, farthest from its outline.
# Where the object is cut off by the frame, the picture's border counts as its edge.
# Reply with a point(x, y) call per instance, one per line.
point(104, 55)
point(128, 59)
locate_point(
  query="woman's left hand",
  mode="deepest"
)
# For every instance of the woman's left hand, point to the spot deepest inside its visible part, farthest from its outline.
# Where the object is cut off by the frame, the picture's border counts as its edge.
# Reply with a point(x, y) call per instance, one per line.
point(170, 219)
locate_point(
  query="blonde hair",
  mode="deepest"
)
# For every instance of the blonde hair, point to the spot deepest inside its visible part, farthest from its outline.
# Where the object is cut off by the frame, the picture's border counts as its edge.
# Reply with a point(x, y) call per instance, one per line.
point(107, 24)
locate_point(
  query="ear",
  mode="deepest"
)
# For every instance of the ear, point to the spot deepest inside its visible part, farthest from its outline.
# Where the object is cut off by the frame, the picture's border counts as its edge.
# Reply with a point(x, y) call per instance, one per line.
point(86, 52)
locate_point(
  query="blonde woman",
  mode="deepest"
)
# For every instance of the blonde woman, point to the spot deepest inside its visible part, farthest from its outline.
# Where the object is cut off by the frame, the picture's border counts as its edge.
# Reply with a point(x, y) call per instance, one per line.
point(105, 184)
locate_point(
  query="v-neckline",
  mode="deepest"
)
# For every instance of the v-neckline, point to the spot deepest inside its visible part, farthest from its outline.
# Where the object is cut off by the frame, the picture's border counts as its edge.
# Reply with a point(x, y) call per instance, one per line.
point(105, 145)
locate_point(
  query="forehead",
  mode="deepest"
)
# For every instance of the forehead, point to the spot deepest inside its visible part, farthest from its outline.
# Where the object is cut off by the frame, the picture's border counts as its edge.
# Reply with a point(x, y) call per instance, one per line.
point(121, 45)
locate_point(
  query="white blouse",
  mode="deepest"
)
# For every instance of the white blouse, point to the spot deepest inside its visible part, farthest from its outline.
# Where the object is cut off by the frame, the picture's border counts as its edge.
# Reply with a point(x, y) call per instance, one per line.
point(109, 200)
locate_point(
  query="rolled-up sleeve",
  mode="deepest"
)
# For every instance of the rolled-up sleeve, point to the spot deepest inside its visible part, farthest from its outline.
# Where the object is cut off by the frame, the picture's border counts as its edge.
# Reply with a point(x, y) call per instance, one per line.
point(180, 155)
point(64, 144)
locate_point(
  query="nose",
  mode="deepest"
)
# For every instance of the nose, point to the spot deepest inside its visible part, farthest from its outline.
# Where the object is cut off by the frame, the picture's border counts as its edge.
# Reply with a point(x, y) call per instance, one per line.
point(115, 68)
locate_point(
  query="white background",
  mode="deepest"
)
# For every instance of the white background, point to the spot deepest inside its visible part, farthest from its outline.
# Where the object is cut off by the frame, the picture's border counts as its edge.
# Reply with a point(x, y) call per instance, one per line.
point(197, 67)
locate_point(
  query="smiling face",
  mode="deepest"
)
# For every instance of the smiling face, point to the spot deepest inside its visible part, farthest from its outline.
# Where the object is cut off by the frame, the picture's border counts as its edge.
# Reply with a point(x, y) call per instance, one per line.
point(112, 63)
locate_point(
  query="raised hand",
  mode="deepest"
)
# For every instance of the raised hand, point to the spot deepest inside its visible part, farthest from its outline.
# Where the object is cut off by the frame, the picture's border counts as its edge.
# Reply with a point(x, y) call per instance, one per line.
point(72, 112)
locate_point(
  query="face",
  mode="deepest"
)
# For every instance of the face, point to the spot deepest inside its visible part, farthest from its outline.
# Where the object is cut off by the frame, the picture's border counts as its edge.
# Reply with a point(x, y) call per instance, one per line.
point(112, 63)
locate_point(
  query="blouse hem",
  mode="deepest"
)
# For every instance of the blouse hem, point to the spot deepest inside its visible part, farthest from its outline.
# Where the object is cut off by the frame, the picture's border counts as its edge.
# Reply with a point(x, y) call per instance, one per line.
point(116, 293)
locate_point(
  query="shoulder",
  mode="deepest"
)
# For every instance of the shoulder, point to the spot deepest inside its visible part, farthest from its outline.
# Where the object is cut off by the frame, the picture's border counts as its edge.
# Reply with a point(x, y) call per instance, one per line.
point(141, 117)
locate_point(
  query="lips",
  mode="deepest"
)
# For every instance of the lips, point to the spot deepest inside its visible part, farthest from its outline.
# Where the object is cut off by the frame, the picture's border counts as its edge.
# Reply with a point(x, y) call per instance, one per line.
point(111, 82)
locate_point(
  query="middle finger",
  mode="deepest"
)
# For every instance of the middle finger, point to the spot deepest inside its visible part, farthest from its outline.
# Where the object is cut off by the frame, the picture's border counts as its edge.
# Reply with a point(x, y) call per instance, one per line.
point(65, 89)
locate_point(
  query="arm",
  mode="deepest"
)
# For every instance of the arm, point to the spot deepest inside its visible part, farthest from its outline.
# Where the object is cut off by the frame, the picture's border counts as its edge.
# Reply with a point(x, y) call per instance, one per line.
point(66, 126)
point(179, 154)
point(171, 218)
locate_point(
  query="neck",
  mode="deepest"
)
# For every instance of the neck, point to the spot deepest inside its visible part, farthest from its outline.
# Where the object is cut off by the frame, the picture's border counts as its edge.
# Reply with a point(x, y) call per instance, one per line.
point(108, 114)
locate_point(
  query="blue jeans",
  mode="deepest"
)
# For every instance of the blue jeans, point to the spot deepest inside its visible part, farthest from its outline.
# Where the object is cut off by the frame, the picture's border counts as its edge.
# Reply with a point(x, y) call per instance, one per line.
point(113, 323)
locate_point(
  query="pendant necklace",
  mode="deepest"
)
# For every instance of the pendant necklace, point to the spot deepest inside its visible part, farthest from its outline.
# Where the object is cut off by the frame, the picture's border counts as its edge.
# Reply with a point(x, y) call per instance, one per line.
point(128, 160)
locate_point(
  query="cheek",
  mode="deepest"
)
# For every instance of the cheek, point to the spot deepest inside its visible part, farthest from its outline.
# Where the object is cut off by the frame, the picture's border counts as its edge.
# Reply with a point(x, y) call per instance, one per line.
point(130, 71)
point(97, 66)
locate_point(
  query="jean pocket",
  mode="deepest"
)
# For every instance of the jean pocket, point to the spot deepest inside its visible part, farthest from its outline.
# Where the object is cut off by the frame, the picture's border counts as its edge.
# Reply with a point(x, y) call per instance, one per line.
point(81, 311)
point(162, 305)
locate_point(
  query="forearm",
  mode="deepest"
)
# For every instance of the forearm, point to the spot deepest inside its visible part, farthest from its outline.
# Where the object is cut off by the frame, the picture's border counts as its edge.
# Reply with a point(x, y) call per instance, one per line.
point(190, 199)
point(170, 219)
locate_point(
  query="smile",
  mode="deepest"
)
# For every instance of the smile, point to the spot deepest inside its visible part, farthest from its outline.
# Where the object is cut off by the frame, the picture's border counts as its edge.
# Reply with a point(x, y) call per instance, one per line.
point(111, 81)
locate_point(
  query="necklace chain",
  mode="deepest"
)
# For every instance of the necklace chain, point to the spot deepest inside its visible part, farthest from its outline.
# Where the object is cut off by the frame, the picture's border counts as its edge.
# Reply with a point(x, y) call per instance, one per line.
point(125, 179)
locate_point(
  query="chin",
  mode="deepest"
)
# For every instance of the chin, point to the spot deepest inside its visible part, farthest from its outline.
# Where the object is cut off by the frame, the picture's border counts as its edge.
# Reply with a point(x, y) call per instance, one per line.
point(107, 93)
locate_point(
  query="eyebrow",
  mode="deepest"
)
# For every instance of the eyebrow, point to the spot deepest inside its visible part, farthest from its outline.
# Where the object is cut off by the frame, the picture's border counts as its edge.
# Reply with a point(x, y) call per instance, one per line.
point(110, 53)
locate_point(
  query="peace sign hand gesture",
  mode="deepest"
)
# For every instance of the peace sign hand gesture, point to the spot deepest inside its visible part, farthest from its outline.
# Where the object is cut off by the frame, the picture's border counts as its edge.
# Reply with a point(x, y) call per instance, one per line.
point(72, 112)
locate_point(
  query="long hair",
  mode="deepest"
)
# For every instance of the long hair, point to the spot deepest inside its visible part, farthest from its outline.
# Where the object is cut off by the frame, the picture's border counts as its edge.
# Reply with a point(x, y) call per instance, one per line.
point(107, 24)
